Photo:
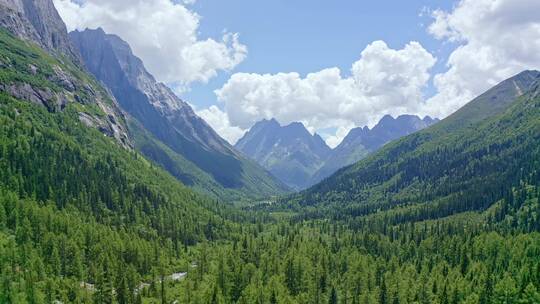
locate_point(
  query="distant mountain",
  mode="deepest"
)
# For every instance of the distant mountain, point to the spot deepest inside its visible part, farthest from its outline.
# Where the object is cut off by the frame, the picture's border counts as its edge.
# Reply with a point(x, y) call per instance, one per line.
point(469, 161)
point(166, 129)
point(362, 141)
point(289, 152)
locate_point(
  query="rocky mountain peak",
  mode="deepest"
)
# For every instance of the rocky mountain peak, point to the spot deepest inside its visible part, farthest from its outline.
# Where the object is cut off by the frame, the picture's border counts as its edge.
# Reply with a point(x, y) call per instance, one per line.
point(165, 117)
point(361, 141)
point(38, 21)
point(290, 152)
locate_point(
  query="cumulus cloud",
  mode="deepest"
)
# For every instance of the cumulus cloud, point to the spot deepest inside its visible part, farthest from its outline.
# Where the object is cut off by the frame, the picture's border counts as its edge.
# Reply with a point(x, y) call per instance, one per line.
point(382, 81)
point(496, 39)
point(163, 33)
point(219, 121)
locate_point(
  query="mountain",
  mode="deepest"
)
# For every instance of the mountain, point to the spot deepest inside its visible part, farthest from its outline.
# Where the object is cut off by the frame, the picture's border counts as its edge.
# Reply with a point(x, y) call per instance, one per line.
point(360, 142)
point(166, 129)
point(80, 204)
point(467, 162)
point(59, 82)
point(37, 21)
point(289, 152)
point(448, 214)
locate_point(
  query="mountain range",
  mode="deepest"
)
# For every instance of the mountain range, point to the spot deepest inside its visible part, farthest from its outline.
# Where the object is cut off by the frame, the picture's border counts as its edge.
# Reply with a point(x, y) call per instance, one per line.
point(140, 112)
point(360, 142)
point(289, 152)
point(147, 115)
point(93, 210)
point(165, 128)
point(300, 159)
point(467, 161)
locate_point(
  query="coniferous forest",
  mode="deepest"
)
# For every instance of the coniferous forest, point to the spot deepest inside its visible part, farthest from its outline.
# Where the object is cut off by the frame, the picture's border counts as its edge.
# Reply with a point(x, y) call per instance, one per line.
point(448, 215)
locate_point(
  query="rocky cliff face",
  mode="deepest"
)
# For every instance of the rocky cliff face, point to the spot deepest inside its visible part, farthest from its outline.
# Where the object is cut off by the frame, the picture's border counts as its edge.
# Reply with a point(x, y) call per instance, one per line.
point(362, 141)
point(289, 152)
point(168, 118)
point(111, 60)
point(37, 21)
point(51, 75)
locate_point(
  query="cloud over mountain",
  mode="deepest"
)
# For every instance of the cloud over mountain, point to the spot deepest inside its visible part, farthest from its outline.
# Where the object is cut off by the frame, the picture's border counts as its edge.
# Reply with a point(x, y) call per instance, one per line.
point(382, 81)
point(495, 40)
point(163, 33)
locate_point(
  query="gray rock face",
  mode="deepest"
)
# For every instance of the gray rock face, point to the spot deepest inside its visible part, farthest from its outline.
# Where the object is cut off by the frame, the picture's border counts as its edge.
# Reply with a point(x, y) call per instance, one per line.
point(111, 60)
point(300, 159)
point(37, 21)
point(162, 113)
point(289, 152)
point(362, 141)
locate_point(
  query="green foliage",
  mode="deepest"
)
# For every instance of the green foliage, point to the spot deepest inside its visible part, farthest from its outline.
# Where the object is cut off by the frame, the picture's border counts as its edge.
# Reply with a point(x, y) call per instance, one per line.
point(181, 168)
point(75, 207)
point(448, 215)
point(444, 170)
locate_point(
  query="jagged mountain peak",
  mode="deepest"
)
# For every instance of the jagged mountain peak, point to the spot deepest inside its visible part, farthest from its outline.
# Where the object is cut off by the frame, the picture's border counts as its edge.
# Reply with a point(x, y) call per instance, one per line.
point(484, 147)
point(112, 61)
point(38, 21)
point(290, 152)
point(361, 141)
point(168, 130)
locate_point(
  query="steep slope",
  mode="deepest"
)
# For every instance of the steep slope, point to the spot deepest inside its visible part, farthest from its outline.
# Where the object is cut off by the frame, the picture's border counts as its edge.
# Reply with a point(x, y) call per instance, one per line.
point(468, 161)
point(362, 141)
point(289, 152)
point(75, 205)
point(53, 78)
point(171, 121)
point(37, 21)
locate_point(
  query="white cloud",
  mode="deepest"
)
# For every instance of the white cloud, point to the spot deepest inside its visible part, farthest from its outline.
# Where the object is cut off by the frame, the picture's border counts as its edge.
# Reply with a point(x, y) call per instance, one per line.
point(496, 39)
point(382, 81)
point(163, 33)
point(333, 140)
point(219, 121)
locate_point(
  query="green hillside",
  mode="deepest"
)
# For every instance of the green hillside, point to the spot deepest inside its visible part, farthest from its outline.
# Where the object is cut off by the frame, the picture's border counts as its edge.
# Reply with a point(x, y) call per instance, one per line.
point(76, 205)
point(166, 129)
point(466, 162)
point(188, 173)
point(447, 215)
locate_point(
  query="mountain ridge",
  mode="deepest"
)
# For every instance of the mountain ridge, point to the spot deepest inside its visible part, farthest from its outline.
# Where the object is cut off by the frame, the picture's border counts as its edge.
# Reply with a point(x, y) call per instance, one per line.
point(38, 21)
point(360, 142)
point(301, 159)
point(461, 156)
point(289, 152)
point(39, 31)
point(171, 121)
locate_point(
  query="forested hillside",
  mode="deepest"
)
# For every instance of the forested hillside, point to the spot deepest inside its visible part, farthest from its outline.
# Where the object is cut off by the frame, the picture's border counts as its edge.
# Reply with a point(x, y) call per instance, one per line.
point(77, 205)
point(447, 215)
point(360, 142)
point(167, 130)
point(466, 162)
point(74, 207)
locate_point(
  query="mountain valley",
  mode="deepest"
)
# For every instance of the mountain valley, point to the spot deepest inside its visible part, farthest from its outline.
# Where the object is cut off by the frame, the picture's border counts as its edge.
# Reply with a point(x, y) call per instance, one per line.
point(113, 190)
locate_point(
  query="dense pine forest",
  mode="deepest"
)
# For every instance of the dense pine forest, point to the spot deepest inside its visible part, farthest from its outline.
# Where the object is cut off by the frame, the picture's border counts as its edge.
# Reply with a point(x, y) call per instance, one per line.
point(447, 215)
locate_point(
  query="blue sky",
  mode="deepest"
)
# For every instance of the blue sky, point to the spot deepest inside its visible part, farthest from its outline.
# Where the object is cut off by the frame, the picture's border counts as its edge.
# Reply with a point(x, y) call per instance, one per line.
point(306, 36)
point(332, 65)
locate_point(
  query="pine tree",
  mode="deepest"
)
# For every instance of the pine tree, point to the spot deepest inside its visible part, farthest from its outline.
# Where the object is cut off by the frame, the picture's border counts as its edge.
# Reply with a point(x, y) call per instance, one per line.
point(383, 293)
point(333, 298)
